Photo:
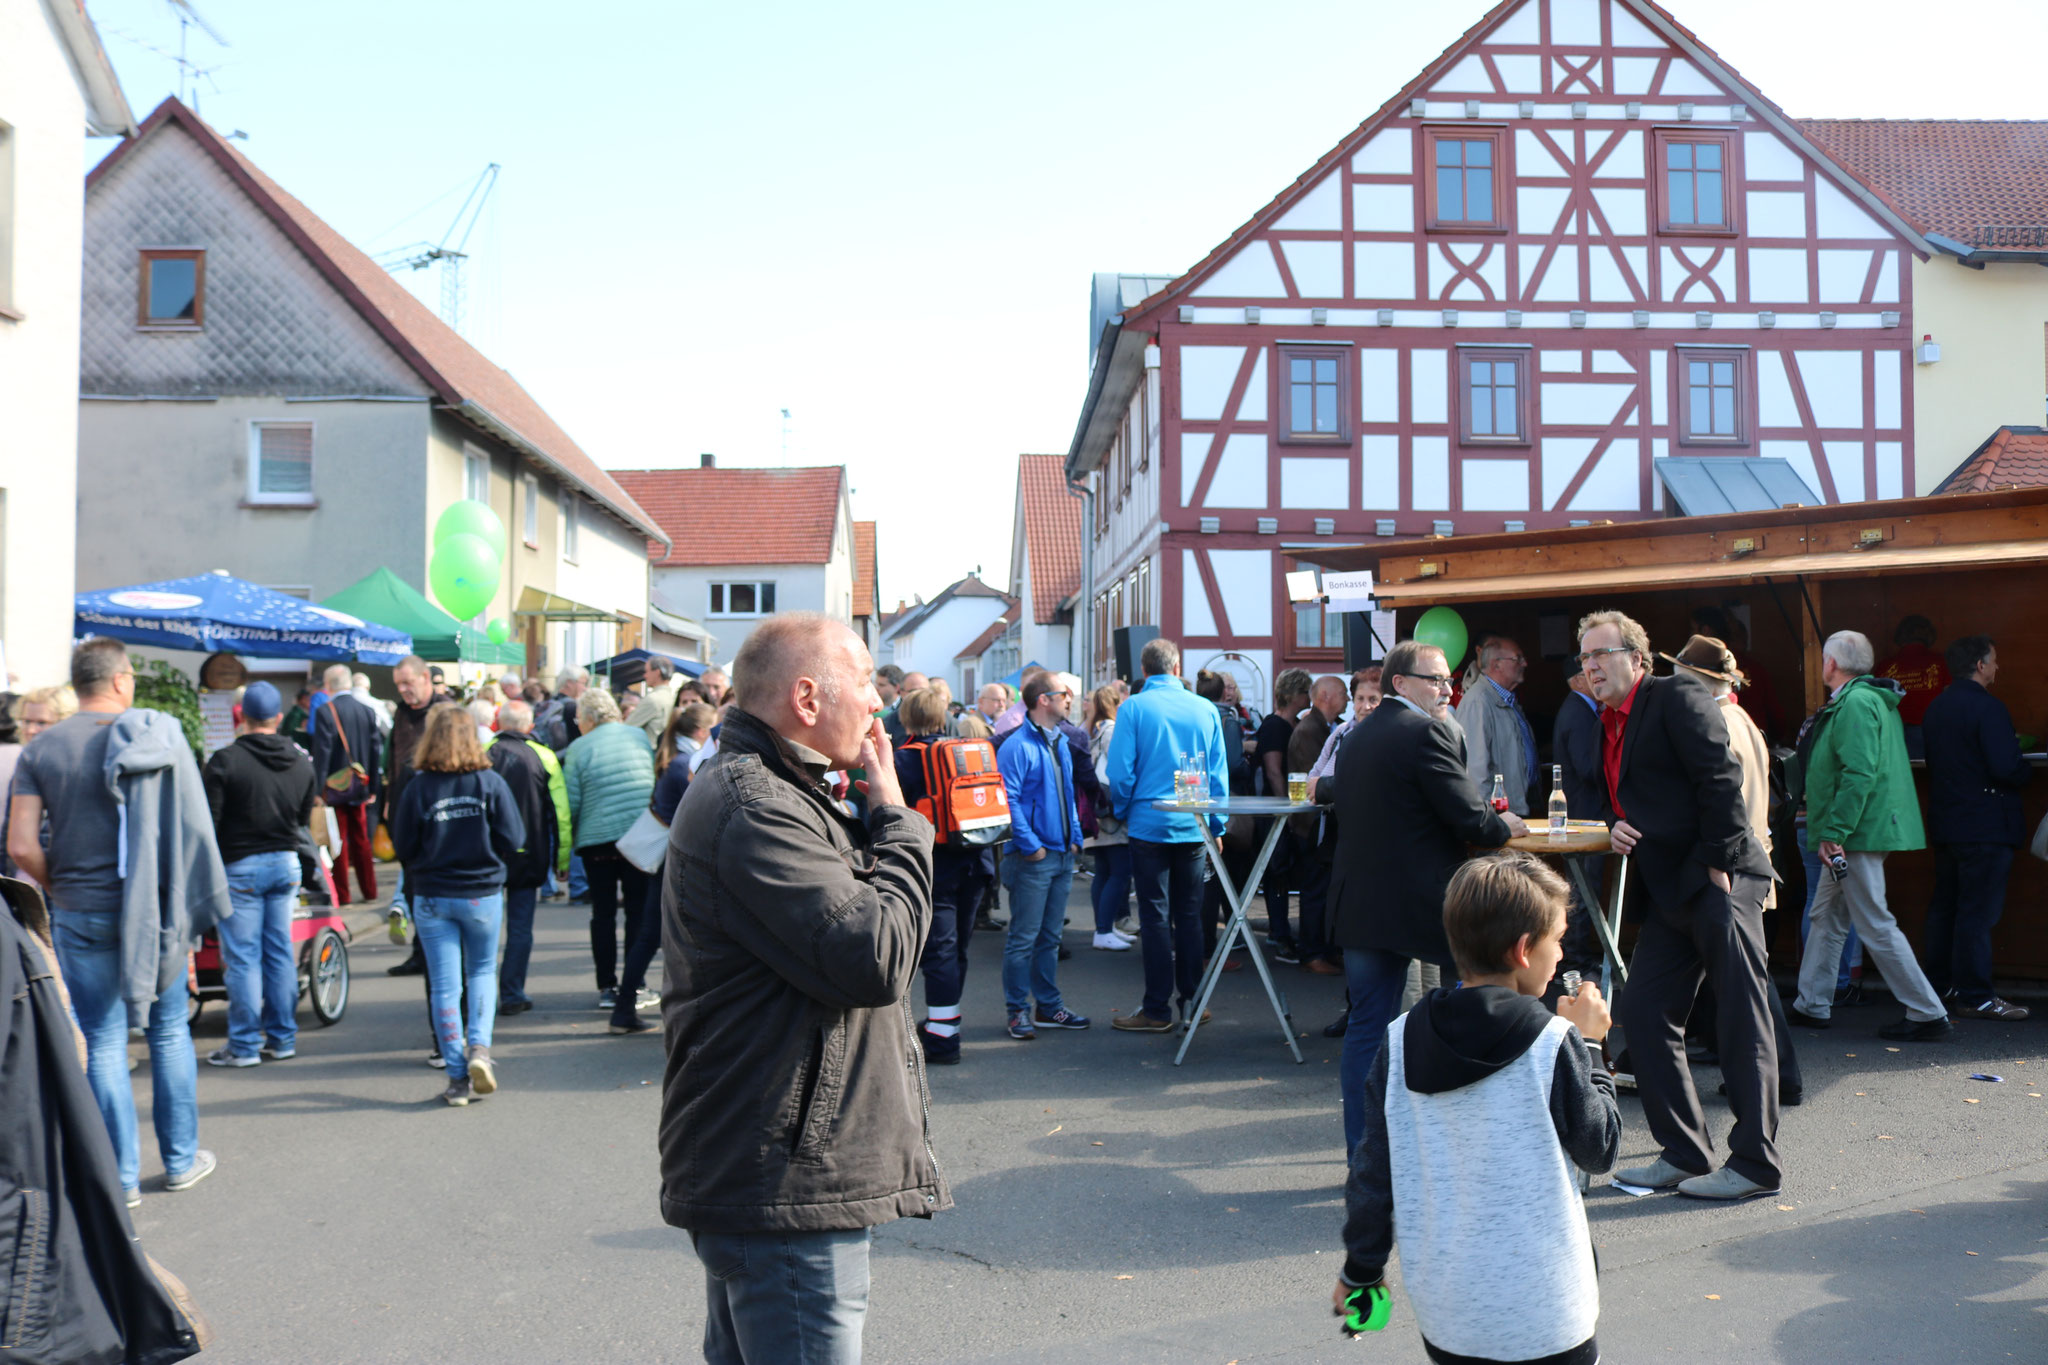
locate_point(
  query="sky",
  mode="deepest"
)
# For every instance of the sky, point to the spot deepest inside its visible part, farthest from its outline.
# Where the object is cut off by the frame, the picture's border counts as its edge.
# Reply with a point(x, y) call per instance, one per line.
point(881, 218)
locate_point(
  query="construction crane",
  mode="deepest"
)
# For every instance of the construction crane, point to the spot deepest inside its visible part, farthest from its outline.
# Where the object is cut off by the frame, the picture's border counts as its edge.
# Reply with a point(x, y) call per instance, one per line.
point(448, 252)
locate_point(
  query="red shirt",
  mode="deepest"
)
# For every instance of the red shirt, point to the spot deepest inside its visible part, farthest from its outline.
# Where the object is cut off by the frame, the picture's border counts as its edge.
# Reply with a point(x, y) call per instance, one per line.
point(1922, 673)
point(1613, 724)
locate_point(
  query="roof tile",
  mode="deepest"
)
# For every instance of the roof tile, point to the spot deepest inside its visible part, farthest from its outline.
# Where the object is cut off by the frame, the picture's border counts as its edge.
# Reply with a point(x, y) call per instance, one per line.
point(1052, 533)
point(2014, 457)
point(1947, 176)
point(739, 516)
point(863, 568)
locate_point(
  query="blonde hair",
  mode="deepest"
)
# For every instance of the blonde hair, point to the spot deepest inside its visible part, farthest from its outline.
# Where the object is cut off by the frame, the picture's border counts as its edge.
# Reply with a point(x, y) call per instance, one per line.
point(922, 712)
point(1632, 633)
point(59, 697)
point(595, 707)
point(972, 726)
point(1102, 702)
point(449, 744)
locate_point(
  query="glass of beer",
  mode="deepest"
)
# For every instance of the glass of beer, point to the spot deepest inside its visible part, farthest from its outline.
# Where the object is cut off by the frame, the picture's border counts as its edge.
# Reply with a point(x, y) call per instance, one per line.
point(1297, 787)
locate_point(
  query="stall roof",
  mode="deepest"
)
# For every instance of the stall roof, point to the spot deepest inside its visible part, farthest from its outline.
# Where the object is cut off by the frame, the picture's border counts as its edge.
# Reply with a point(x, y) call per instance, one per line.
point(549, 607)
point(1708, 485)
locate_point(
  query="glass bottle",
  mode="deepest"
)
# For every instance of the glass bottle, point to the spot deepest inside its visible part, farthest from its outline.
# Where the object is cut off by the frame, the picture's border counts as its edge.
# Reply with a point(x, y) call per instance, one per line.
point(1500, 792)
point(1560, 813)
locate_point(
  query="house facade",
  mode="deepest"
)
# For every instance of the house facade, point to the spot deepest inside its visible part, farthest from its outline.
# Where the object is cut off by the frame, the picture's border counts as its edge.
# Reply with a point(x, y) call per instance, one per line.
point(932, 637)
point(1575, 246)
point(56, 88)
point(257, 395)
point(743, 544)
point(1045, 565)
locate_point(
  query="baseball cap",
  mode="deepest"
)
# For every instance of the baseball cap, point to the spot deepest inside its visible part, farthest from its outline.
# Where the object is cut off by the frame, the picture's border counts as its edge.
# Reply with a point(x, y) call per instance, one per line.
point(261, 702)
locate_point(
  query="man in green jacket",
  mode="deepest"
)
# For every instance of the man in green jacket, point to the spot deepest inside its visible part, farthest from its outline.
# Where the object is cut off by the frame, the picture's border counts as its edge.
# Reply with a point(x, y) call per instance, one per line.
point(1860, 806)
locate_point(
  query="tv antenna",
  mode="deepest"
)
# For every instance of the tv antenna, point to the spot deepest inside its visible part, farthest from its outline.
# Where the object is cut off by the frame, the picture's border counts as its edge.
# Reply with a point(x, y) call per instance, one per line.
point(448, 252)
point(188, 70)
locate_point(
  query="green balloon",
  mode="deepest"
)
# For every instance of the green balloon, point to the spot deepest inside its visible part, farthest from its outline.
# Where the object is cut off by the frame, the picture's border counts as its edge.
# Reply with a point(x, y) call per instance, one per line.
point(1444, 628)
point(464, 575)
point(500, 630)
point(472, 518)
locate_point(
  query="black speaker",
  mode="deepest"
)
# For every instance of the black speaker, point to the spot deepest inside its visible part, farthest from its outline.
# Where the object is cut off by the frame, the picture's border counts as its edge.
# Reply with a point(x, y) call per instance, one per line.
point(1129, 642)
point(1360, 648)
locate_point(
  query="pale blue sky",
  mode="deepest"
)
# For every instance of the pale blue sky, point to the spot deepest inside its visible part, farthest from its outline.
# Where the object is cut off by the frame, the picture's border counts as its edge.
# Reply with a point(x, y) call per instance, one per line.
point(884, 217)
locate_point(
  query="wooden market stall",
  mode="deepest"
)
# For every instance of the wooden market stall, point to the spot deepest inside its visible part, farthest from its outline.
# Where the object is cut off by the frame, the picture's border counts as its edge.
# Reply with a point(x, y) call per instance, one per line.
point(1972, 563)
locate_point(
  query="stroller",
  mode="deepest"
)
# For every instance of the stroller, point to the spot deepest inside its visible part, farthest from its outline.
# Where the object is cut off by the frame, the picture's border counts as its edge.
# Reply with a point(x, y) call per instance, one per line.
point(319, 934)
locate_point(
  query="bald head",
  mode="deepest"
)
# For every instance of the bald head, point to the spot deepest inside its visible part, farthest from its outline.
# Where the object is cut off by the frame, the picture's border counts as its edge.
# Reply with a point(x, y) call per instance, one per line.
point(1329, 696)
point(914, 680)
point(810, 679)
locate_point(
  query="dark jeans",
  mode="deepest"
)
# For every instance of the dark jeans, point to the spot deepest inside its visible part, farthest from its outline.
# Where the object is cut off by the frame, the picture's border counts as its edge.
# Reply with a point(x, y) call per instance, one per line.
point(519, 904)
point(1279, 877)
point(615, 884)
point(1376, 979)
point(1582, 947)
point(1969, 896)
point(1312, 876)
point(784, 1296)
point(1237, 862)
point(643, 941)
point(1168, 878)
point(956, 890)
point(1110, 890)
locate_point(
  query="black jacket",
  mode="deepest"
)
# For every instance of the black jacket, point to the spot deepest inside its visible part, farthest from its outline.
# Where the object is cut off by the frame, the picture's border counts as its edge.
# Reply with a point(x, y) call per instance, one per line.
point(513, 759)
point(1575, 747)
point(260, 789)
point(456, 833)
point(795, 1095)
point(1974, 769)
point(75, 1285)
point(1681, 786)
point(1409, 814)
point(345, 731)
point(408, 727)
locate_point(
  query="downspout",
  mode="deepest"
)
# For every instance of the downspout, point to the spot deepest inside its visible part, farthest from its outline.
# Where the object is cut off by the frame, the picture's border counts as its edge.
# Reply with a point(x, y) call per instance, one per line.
point(1086, 630)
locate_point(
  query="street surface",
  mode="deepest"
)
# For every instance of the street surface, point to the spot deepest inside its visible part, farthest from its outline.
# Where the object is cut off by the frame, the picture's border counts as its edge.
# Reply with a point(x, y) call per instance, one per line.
point(1109, 1206)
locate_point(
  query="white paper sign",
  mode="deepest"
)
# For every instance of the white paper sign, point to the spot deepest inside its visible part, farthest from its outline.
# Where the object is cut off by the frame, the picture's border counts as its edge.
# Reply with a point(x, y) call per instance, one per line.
point(1348, 591)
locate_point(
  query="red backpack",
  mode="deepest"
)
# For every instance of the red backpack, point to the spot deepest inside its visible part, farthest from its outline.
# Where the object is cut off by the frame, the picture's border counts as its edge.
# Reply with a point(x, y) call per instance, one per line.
point(964, 797)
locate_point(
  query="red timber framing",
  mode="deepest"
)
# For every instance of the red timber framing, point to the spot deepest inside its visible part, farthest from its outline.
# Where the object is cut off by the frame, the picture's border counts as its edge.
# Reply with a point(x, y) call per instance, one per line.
point(1584, 283)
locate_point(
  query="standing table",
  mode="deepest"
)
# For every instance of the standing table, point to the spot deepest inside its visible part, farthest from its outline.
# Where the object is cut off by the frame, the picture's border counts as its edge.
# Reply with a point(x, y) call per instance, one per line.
point(1270, 809)
point(1588, 837)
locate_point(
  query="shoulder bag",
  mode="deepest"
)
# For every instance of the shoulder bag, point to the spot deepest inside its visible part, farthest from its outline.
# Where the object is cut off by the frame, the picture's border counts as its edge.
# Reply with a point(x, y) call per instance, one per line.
point(645, 845)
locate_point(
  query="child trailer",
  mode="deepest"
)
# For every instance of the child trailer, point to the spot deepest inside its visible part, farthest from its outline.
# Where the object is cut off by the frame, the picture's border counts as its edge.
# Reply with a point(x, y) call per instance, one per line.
point(319, 936)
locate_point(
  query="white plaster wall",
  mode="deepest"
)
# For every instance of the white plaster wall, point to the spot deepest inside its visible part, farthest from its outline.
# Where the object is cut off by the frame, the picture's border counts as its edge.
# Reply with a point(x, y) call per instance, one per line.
point(798, 587)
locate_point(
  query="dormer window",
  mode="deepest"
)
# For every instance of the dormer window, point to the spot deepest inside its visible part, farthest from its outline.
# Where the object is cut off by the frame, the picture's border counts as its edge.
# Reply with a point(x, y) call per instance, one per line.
point(173, 293)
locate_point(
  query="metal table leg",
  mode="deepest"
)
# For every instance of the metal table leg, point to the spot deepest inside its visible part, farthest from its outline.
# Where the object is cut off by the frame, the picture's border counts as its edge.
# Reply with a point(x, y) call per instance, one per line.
point(1237, 923)
point(1607, 923)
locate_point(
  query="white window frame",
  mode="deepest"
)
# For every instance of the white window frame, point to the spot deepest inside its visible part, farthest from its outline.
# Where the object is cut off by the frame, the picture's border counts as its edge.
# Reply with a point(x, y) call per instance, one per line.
point(475, 458)
point(529, 489)
point(571, 529)
point(722, 591)
point(254, 491)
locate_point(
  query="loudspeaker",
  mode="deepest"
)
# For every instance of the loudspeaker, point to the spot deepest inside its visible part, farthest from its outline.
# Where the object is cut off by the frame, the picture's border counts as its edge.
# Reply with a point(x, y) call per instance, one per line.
point(1129, 642)
point(1360, 649)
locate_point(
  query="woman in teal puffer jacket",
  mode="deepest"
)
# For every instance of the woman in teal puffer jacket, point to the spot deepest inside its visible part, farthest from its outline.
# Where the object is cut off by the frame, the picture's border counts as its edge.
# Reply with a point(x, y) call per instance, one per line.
point(609, 772)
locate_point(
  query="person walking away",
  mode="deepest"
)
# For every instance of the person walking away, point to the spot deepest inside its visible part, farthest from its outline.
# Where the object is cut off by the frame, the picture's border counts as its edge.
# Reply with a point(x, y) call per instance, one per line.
point(1861, 807)
point(1974, 777)
point(347, 755)
point(418, 693)
point(1410, 813)
point(1109, 891)
point(1498, 738)
point(1155, 726)
point(794, 1104)
point(1672, 793)
point(134, 879)
point(533, 775)
point(689, 730)
point(1045, 834)
point(657, 699)
point(457, 831)
point(1269, 755)
point(1238, 853)
point(1479, 1106)
point(957, 871)
point(610, 779)
point(1575, 749)
point(260, 790)
point(1312, 834)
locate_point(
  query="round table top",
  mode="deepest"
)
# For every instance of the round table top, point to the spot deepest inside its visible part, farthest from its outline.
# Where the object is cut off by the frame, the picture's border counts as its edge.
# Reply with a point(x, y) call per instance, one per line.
point(1239, 805)
point(1582, 836)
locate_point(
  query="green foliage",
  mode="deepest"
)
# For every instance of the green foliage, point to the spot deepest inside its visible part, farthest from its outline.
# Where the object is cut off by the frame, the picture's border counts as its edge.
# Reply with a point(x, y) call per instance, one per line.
point(161, 687)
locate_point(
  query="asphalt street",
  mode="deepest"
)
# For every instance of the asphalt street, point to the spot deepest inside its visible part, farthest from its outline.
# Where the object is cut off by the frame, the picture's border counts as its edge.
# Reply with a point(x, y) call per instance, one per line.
point(1110, 1207)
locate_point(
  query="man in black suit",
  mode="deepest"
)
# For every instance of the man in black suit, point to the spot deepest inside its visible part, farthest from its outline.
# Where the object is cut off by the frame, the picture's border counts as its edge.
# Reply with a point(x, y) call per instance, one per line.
point(1575, 749)
point(1673, 793)
point(1409, 813)
point(1974, 776)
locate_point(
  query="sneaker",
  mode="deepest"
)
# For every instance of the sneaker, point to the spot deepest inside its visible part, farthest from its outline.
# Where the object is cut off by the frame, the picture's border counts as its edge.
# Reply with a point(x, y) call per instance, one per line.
point(1137, 1021)
point(1804, 1020)
point(1851, 994)
point(483, 1077)
point(1112, 942)
point(1994, 1008)
point(608, 998)
point(436, 1060)
point(1283, 951)
point(1021, 1028)
point(1912, 1031)
point(1128, 927)
point(1658, 1175)
point(457, 1094)
point(134, 1198)
point(1059, 1018)
point(412, 966)
point(1725, 1184)
point(272, 1052)
point(648, 1000)
point(395, 926)
point(223, 1057)
point(202, 1166)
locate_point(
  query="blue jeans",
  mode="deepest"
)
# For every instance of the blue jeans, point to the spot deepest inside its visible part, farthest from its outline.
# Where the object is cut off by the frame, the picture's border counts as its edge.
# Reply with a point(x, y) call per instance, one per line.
point(1168, 878)
point(1376, 979)
point(451, 930)
point(519, 904)
point(256, 954)
point(1110, 892)
point(1852, 949)
point(1038, 916)
point(89, 951)
point(775, 1297)
point(579, 885)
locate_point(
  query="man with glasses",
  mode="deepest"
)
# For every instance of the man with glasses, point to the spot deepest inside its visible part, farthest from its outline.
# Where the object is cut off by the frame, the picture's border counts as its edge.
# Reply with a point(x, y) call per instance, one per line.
point(1037, 765)
point(1498, 738)
point(1409, 812)
point(1673, 794)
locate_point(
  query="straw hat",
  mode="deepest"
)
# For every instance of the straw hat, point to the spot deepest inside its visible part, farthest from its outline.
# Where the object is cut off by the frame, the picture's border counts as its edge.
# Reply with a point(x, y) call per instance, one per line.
point(1709, 658)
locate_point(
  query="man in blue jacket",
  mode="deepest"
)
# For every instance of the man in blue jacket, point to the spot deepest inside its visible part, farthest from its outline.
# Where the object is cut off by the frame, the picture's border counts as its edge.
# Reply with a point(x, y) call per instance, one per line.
point(1045, 834)
point(1161, 721)
point(1974, 821)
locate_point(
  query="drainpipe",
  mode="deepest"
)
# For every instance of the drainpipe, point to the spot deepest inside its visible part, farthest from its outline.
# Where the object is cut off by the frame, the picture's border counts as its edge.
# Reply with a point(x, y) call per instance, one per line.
point(1085, 625)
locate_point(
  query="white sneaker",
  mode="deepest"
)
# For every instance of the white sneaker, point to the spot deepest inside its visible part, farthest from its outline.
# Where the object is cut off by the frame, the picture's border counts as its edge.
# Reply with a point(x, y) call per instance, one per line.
point(1128, 926)
point(1112, 943)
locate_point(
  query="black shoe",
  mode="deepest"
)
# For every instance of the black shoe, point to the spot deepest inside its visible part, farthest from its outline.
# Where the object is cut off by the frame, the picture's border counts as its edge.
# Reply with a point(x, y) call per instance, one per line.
point(942, 1058)
point(510, 1007)
point(1065, 952)
point(1793, 1016)
point(412, 966)
point(1336, 1030)
point(1907, 1031)
point(1789, 1096)
point(1283, 951)
point(1851, 994)
point(631, 1023)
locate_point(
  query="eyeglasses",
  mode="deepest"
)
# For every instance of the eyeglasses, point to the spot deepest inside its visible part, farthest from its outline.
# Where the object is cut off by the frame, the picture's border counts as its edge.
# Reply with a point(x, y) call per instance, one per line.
point(1437, 680)
point(1593, 655)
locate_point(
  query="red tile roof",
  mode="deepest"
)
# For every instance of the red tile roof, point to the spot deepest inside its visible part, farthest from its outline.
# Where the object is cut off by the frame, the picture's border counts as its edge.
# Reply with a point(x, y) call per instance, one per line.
point(740, 516)
point(1948, 176)
point(2014, 457)
point(995, 632)
point(459, 374)
point(1052, 533)
point(863, 568)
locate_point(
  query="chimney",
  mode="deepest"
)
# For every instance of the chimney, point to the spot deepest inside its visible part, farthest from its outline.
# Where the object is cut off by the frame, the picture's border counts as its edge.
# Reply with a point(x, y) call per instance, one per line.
point(707, 461)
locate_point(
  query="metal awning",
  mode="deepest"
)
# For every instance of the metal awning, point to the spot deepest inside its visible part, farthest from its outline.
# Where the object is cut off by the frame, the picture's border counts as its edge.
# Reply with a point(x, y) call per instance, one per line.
point(546, 605)
point(682, 627)
point(1710, 485)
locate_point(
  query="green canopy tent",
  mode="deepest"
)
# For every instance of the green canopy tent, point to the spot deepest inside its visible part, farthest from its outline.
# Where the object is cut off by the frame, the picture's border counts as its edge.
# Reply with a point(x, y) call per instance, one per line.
point(388, 600)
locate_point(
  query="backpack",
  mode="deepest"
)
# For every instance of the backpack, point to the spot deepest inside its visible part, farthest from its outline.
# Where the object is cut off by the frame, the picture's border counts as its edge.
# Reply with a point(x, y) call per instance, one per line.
point(964, 796)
